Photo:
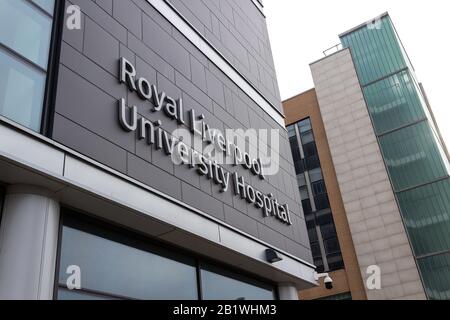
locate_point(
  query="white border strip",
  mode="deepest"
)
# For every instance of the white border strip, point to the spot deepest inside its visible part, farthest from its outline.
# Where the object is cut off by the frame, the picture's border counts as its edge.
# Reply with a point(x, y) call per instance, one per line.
point(211, 53)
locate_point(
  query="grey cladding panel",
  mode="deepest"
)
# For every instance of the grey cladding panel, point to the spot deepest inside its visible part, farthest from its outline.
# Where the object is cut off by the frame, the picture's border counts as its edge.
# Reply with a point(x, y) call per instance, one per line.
point(86, 117)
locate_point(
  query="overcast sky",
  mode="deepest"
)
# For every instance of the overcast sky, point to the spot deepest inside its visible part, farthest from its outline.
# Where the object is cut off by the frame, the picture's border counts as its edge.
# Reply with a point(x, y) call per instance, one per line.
point(301, 30)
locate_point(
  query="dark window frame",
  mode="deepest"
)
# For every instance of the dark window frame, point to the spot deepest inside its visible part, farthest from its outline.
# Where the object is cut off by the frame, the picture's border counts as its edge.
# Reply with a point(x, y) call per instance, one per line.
point(84, 222)
point(2, 201)
point(48, 110)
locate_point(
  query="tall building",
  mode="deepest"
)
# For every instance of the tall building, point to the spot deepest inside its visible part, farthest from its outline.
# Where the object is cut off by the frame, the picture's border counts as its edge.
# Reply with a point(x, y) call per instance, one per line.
point(111, 183)
point(391, 164)
point(331, 243)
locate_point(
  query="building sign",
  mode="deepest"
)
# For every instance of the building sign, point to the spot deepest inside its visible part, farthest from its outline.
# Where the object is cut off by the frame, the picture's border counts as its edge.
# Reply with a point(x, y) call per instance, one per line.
point(177, 146)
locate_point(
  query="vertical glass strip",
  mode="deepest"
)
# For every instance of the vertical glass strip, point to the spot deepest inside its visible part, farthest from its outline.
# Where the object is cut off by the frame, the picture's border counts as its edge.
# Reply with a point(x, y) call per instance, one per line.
point(426, 212)
point(410, 147)
point(435, 272)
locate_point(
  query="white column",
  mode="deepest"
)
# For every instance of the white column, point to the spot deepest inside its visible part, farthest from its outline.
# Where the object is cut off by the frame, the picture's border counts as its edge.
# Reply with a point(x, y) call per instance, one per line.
point(28, 243)
point(287, 292)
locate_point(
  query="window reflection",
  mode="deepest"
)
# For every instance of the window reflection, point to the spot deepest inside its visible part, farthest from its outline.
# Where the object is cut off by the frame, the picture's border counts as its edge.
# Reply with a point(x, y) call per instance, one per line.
point(118, 270)
point(218, 284)
point(47, 5)
point(21, 91)
point(119, 266)
point(25, 30)
point(25, 36)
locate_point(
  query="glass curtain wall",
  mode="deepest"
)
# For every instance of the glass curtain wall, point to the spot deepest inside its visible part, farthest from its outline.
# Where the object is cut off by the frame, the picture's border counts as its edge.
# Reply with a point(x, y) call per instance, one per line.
point(313, 192)
point(25, 37)
point(418, 168)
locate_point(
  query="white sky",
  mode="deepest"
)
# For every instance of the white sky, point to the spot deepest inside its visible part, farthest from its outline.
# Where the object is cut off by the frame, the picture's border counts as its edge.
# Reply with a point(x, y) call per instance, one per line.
point(301, 30)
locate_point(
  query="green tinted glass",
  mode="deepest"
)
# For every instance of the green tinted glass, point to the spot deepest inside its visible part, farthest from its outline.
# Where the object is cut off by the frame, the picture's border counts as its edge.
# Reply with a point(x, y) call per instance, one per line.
point(426, 212)
point(412, 156)
point(412, 152)
point(436, 276)
point(375, 50)
point(394, 102)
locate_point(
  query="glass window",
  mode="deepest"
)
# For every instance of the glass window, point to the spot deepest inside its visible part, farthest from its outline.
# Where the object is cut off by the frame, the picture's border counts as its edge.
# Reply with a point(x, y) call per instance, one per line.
point(65, 294)
point(47, 5)
point(412, 156)
point(306, 204)
point(342, 296)
point(376, 52)
point(315, 250)
point(426, 213)
point(324, 217)
point(319, 188)
point(331, 246)
point(299, 167)
point(307, 137)
point(394, 102)
point(304, 193)
point(218, 284)
point(291, 131)
point(18, 79)
point(328, 231)
point(435, 271)
point(301, 180)
point(321, 202)
point(335, 261)
point(295, 149)
point(25, 35)
point(116, 267)
point(321, 217)
point(312, 162)
point(312, 231)
point(318, 262)
point(310, 149)
point(315, 175)
point(304, 125)
point(25, 30)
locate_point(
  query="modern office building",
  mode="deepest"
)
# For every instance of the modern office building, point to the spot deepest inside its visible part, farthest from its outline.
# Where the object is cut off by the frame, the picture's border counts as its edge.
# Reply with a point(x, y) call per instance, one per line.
point(95, 97)
point(391, 165)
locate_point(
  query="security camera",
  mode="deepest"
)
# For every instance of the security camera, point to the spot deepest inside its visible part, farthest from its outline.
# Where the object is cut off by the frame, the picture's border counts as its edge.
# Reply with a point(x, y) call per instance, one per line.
point(328, 283)
point(326, 279)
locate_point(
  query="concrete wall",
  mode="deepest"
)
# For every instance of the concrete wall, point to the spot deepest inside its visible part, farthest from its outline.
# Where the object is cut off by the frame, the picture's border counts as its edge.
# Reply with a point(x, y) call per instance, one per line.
point(86, 110)
point(372, 212)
